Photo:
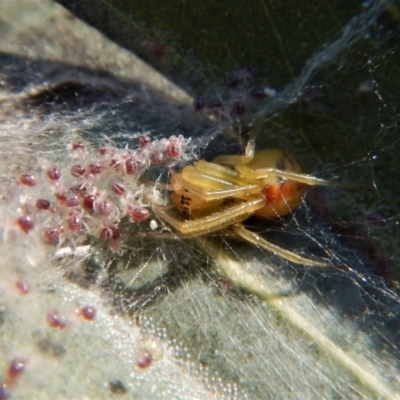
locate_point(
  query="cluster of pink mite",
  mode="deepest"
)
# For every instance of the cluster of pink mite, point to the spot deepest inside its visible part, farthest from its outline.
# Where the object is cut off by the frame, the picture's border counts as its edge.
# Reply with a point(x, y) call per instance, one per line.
point(93, 194)
point(142, 357)
point(242, 96)
point(17, 365)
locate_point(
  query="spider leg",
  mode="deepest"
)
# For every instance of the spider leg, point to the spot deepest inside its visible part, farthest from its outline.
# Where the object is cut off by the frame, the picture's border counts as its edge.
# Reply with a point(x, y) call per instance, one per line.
point(157, 185)
point(270, 172)
point(252, 237)
point(213, 222)
point(220, 171)
point(196, 183)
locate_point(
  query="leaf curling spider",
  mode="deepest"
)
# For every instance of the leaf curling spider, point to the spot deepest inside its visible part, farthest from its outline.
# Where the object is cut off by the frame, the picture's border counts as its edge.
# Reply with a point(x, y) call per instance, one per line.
point(212, 196)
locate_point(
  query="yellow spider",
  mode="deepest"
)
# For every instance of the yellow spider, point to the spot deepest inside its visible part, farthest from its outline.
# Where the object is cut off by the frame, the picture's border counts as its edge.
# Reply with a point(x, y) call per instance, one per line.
point(212, 196)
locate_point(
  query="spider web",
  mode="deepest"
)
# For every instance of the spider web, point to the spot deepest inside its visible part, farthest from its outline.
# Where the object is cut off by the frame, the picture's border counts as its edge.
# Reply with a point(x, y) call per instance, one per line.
point(220, 317)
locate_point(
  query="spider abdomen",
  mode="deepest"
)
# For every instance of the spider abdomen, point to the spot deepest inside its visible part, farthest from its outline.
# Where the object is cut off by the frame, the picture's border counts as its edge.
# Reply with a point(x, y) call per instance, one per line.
point(281, 195)
point(281, 199)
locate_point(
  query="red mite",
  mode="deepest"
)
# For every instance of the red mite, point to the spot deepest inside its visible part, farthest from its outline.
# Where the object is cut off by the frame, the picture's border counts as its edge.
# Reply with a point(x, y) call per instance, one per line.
point(28, 180)
point(23, 286)
point(16, 368)
point(54, 319)
point(25, 223)
point(88, 312)
point(143, 358)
